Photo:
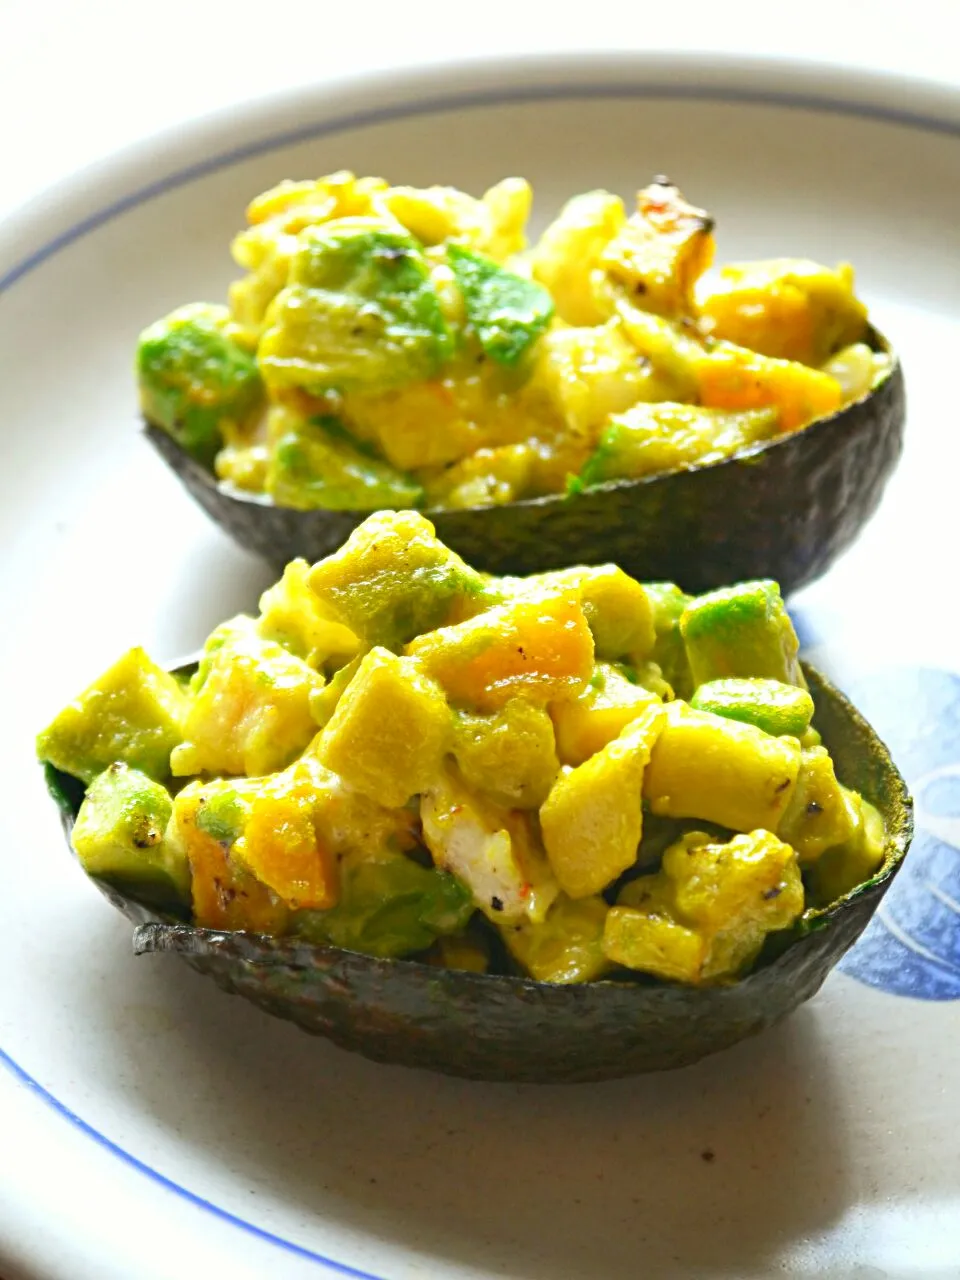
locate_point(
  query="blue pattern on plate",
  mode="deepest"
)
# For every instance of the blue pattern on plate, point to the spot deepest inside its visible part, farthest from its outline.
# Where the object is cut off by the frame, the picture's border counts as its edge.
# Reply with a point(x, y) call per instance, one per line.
point(912, 945)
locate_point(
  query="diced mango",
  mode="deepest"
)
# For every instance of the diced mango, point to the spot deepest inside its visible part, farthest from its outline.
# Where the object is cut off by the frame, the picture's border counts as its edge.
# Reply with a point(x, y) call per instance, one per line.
point(704, 766)
point(392, 579)
point(225, 894)
point(788, 308)
point(588, 373)
point(537, 648)
point(734, 893)
point(585, 724)
point(280, 844)
point(616, 606)
point(732, 377)
point(389, 731)
point(592, 820)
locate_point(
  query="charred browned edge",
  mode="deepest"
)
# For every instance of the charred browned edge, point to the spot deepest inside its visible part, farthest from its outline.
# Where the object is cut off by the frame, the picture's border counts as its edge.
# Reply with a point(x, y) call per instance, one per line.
point(505, 1028)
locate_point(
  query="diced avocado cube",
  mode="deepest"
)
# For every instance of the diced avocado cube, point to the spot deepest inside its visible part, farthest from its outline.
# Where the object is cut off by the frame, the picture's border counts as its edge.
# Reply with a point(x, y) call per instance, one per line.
point(742, 631)
point(316, 463)
point(650, 439)
point(121, 835)
point(393, 578)
point(718, 770)
point(194, 378)
point(566, 946)
point(771, 705)
point(360, 312)
point(389, 906)
point(592, 819)
point(133, 715)
point(668, 603)
point(510, 756)
point(389, 731)
point(508, 312)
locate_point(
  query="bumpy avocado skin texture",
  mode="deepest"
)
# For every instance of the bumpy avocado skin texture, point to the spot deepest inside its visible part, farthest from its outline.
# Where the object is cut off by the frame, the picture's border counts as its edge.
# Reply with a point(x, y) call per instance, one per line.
point(786, 510)
point(503, 1028)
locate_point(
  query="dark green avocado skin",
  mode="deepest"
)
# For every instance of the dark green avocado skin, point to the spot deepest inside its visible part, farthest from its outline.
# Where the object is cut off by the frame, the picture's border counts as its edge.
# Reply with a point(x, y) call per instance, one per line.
point(503, 1028)
point(784, 510)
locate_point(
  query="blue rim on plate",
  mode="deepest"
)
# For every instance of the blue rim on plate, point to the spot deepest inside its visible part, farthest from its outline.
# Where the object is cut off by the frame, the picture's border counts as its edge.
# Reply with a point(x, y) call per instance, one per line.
point(556, 86)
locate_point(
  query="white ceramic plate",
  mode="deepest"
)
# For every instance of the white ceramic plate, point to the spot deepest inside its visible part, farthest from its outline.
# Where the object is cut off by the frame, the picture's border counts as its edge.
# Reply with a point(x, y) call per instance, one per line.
point(151, 1125)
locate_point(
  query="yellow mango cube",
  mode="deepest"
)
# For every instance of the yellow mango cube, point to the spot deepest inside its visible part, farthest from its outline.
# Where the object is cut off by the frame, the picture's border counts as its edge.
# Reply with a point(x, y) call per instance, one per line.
point(592, 819)
point(732, 377)
point(389, 731)
point(585, 724)
point(539, 648)
point(789, 308)
point(719, 770)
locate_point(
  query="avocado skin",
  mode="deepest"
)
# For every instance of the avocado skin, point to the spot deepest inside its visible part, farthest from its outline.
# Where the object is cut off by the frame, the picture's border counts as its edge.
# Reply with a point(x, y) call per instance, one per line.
point(784, 510)
point(512, 1029)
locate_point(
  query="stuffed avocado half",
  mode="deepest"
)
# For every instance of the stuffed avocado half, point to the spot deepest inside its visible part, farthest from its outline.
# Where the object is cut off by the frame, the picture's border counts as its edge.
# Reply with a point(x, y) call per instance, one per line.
point(593, 397)
point(554, 827)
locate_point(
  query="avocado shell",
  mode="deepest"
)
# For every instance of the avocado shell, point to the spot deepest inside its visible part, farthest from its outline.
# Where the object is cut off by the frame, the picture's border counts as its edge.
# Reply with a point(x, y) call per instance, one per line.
point(785, 509)
point(507, 1028)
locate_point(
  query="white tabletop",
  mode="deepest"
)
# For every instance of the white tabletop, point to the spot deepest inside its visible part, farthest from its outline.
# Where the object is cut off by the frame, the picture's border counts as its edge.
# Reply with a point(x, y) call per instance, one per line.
point(79, 80)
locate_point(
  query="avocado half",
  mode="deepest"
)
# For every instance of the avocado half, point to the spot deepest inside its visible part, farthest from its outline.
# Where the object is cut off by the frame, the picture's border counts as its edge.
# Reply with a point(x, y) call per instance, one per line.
point(785, 509)
point(493, 1027)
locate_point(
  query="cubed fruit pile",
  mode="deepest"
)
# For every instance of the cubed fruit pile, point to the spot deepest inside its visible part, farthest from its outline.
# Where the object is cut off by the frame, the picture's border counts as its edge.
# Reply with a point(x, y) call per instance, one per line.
point(562, 775)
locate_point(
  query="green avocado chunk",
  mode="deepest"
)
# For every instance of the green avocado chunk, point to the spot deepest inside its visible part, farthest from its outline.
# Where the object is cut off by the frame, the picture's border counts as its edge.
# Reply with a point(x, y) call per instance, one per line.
point(316, 463)
point(668, 603)
point(772, 706)
point(133, 714)
point(389, 906)
point(193, 376)
point(120, 836)
point(359, 313)
point(742, 632)
point(393, 579)
point(508, 312)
